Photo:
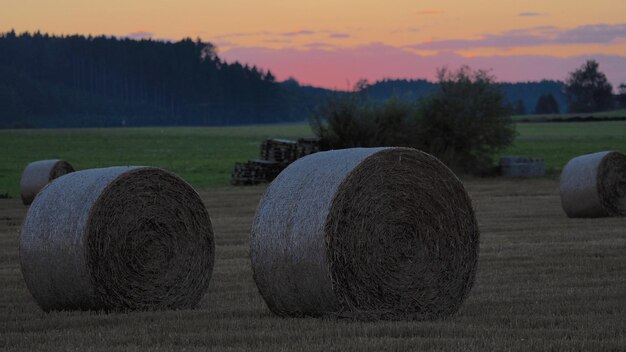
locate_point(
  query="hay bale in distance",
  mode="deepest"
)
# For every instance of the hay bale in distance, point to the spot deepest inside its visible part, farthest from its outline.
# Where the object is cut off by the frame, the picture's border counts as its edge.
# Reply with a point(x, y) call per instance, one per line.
point(117, 239)
point(522, 167)
point(594, 185)
point(365, 233)
point(38, 174)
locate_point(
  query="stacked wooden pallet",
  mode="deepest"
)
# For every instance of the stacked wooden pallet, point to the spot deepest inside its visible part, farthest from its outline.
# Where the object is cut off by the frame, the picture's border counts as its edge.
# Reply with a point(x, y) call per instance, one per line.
point(308, 145)
point(253, 172)
point(280, 150)
point(276, 155)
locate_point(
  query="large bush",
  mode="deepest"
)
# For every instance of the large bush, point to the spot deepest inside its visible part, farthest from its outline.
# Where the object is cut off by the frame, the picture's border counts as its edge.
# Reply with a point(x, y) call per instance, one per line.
point(464, 123)
point(353, 120)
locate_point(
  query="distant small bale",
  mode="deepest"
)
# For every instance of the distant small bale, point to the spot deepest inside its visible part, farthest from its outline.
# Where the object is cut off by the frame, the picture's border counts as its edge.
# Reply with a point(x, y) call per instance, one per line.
point(117, 239)
point(522, 167)
point(594, 185)
point(365, 233)
point(38, 174)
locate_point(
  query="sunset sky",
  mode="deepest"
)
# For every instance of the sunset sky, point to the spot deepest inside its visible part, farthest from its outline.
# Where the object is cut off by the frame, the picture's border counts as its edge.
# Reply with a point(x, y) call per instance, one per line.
point(336, 43)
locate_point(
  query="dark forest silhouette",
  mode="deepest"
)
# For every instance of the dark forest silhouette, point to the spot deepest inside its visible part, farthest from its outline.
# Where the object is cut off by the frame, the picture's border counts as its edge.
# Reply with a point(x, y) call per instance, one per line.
point(525, 93)
point(85, 81)
point(52, 81)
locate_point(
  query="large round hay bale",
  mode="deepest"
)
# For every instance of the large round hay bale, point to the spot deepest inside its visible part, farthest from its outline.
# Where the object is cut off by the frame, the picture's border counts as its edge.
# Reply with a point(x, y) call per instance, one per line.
point(38, 174)
point(116, 239)
point(594, 185)
point(365, 233)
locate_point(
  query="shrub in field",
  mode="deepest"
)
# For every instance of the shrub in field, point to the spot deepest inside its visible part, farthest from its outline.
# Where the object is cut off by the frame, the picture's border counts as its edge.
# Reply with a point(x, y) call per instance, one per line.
point(466, 121)
point(353, 120)
point(343, 121)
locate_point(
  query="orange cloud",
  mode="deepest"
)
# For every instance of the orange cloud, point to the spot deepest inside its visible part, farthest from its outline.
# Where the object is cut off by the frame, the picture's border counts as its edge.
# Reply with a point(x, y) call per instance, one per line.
point(430, 12)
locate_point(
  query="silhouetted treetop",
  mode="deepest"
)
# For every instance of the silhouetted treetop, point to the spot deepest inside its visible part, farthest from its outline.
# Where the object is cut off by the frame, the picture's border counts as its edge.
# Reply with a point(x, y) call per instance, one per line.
point(104, 80)
point(588, 89)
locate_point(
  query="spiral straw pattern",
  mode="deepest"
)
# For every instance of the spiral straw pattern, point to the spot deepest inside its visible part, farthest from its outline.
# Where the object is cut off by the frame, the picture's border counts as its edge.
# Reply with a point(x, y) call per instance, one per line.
point(117, 239)
point(365, 233)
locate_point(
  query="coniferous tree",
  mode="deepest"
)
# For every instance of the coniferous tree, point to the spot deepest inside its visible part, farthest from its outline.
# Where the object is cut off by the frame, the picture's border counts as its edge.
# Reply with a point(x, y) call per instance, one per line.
point(546, 104)
point(519, 108)
point(103, 80)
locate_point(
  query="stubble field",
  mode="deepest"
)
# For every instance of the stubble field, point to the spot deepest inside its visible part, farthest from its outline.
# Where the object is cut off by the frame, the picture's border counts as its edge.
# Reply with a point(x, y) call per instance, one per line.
point(545, 282)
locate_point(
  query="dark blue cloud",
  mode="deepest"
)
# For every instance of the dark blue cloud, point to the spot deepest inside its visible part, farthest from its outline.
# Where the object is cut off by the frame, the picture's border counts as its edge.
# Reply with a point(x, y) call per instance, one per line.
point(339, 35)
point(141, 34)
point(545, 35)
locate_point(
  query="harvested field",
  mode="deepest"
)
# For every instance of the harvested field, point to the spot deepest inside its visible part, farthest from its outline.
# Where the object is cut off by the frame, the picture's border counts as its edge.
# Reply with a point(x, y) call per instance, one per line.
point(544, 282)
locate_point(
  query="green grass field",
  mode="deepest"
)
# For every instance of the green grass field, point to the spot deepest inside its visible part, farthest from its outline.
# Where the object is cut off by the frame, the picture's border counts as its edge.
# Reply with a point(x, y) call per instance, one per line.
point(558, 142)
point(205, 156)
point(596, 115)
point(202, 156)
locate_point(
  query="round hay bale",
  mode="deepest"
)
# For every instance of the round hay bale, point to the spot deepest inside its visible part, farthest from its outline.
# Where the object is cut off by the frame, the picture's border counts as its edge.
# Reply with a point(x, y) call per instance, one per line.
point(38, 174)
point(117, 239)
point(365, 233)
point(594, 185)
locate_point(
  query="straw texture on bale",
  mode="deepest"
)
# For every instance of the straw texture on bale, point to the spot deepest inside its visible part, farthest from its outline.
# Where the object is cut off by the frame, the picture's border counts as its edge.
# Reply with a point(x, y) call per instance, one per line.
point(38, 174)
point(594, 185)
point(117, 239)
point(365, 233)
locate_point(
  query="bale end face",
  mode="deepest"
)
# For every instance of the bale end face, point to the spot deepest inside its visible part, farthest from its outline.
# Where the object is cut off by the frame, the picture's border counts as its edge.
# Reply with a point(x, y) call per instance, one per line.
point(117, 239)
point(594, 185)
point(397, 238)
point(38, 174)
point(612, 183)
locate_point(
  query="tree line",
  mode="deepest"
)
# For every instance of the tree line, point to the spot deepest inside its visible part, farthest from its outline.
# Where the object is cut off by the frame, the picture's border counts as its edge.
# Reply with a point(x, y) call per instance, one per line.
point(76, 81)
point(584, 90)
point(464, 120)
point(52, 81)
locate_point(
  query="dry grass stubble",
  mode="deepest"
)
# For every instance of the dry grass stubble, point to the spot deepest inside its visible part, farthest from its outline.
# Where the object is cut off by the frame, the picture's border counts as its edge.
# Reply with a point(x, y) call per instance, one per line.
point(545, 282)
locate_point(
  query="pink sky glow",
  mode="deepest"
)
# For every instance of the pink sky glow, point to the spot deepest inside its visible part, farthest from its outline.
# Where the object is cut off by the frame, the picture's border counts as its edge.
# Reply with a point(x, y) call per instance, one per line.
point(341, 68)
